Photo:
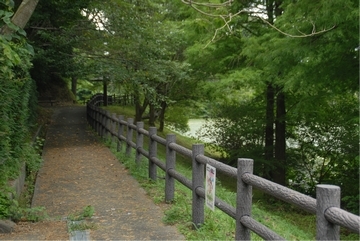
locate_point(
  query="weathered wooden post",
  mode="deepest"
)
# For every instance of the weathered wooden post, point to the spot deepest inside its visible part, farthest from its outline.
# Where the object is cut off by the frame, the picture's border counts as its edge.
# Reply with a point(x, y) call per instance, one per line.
point(98, 126)
point(92, 116)
point(101, 116)
point(107, 126)
point(99, 121)
point(170, 164)
point(95, 116)
point(197, 182)
point(103, 123)
point(113, 129)
point(152, 153)
point(120, 132)
point(129, 136)
point(139, 141)
point(243, 198)
point(327, 196)
point(88, 115)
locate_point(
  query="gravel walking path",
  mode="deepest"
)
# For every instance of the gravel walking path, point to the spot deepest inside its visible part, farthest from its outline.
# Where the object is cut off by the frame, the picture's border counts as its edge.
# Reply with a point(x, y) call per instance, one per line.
point(79, 171)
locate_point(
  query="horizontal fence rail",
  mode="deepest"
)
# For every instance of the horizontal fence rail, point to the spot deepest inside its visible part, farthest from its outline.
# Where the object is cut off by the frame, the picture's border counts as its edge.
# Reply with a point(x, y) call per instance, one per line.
point(329, 215)
point(113, 99)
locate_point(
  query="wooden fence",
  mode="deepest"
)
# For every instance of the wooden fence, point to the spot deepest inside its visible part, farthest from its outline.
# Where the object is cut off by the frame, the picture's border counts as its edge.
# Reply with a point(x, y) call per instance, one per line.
point(114, 99)
point(329, 215)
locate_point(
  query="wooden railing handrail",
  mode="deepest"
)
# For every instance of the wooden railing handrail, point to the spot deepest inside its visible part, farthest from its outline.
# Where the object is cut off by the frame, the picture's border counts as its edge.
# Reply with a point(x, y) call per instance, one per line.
point(326, 207)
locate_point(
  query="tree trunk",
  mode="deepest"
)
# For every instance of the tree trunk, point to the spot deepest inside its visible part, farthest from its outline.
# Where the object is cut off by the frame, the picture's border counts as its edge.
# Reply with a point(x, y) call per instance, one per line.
point(280, 124)
point(269, 129)
point(138, 115)
point(140, 109)
point(105, 93)
point(275, 154)
point(152, 116)
point(280, 140)
point(22, 15)
point(162, 116)
point(74, 86)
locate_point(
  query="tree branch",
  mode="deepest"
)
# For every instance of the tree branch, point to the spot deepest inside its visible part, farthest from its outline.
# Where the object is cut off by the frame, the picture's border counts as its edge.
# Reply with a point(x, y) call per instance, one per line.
point(228, 18)
point(303, 35)
point(22, 15)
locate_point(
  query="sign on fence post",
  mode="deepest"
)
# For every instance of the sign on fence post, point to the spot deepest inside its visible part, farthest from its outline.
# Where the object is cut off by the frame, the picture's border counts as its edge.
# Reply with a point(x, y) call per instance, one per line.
point(210, 186)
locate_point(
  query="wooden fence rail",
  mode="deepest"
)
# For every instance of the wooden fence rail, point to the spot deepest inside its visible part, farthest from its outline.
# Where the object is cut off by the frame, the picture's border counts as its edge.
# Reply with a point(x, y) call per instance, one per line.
point(113, 99)
point(329, 215)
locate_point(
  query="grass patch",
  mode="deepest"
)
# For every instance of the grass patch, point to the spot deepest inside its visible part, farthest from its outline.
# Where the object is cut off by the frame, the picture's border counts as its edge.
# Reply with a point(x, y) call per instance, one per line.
point(79, 221)
point(217, 224)
point(126, 111)
point(80, 226)
point(86, 212)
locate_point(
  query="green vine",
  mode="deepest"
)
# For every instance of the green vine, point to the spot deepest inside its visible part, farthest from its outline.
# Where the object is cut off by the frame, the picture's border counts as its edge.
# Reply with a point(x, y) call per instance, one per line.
point(17, 108)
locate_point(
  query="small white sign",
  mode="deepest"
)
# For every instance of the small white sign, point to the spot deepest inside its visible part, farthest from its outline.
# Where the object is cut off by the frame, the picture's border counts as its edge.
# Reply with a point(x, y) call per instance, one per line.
point(210, 186)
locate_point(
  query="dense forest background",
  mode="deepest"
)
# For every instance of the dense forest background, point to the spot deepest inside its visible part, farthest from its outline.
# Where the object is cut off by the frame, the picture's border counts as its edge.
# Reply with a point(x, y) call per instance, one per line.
point(278, 80)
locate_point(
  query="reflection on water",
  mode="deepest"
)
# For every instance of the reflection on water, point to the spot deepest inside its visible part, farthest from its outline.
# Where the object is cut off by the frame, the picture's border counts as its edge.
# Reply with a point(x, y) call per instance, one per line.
point(195, 125)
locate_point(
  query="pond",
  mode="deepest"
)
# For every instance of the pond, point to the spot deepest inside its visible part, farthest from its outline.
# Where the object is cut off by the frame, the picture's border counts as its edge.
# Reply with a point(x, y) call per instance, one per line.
point(195, 125)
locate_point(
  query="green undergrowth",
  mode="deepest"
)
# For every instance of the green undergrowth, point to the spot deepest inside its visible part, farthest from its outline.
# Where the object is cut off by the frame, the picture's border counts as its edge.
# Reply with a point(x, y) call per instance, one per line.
point(217, 225)
point(86, 212)
point(19, 208)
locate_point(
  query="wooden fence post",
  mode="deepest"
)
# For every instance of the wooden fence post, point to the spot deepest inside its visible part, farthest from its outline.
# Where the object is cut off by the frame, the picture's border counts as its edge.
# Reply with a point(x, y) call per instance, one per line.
point(120, 132)
point(139, 141)
point(89, 116)
point(98, 120)
point(108, 126)
point(243, 198)
point(129, 136)
point(152, 153)
point(93, 117)
point(170, 164)
point(113, 129)
point(103, 123)
point(326, 196)
point(197, 182)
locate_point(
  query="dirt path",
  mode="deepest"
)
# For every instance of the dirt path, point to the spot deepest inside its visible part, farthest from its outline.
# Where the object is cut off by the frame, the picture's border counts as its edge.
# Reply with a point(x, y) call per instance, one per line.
point(79, 171)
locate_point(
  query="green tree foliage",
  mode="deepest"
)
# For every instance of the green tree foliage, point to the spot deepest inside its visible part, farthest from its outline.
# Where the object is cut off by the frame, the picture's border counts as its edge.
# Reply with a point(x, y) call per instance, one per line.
point(309, 56)
point(133, 47)
point(55, 30)
point(139, 50)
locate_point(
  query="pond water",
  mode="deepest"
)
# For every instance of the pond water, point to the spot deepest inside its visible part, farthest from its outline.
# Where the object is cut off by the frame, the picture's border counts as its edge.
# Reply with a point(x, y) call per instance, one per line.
point(195, 125)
